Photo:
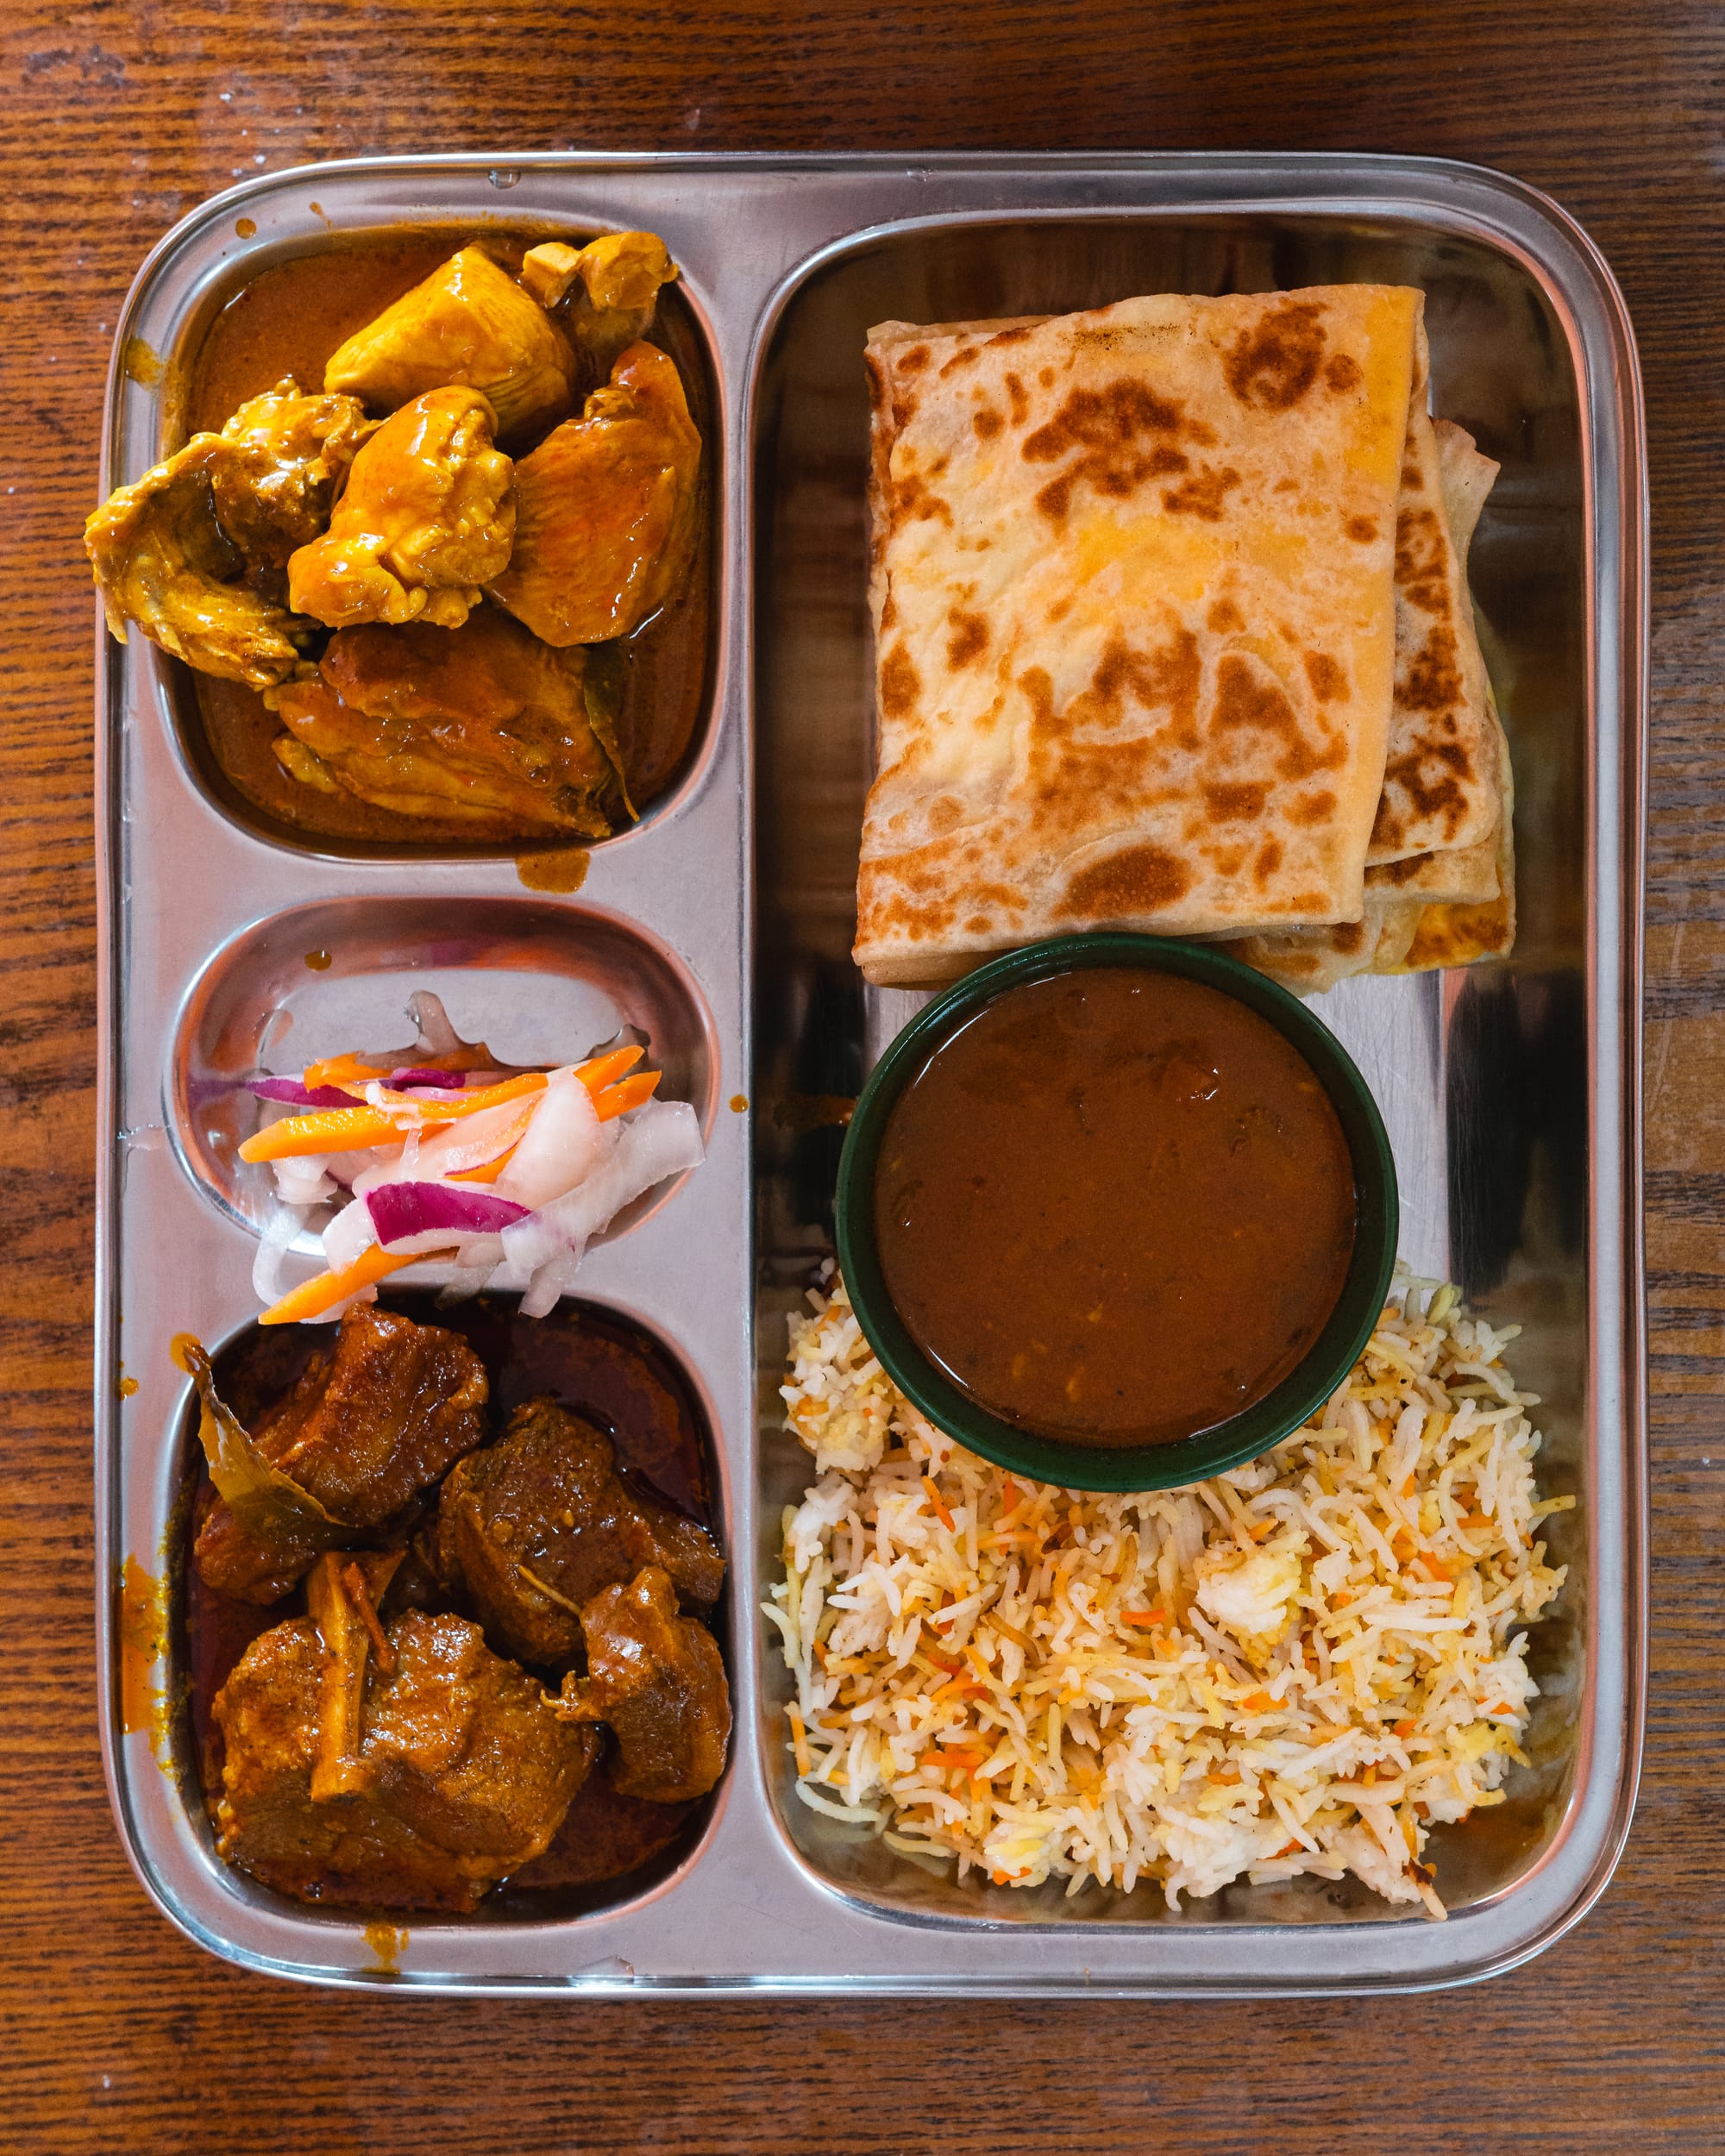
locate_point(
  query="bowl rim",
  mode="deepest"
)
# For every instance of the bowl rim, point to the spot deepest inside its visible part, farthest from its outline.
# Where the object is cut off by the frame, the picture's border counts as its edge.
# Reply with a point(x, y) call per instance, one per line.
point(1241, 1438)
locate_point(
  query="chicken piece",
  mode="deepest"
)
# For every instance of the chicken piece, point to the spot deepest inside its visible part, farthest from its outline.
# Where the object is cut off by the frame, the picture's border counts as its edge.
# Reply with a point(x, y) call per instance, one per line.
point(482, 725)
point(276, 483)
point(370, 1423)
point(163, 561)
point(461, 1771)
point(535, 1526)
point(657, 1680)
point(605, 509)
point(615, 283)
point(426, 518)
point(469, 321)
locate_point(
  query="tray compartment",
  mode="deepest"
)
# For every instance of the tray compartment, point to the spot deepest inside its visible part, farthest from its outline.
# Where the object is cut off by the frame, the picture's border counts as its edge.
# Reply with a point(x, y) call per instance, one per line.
point(537, 980)
point(670, 659)
point(1477, 1071)
point(523, 1365)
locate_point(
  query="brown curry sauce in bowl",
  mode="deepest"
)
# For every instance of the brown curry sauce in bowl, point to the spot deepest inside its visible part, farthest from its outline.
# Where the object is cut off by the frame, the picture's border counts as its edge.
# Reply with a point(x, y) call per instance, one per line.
point(1117, 1212)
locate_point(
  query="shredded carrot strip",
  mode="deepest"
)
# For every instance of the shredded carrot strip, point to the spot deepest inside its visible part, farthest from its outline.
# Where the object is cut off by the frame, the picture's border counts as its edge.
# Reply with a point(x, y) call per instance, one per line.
point(939, 1502)
point(1257, 1703)
point(488, 1171)
point(800, 1739)
point(1406, 1728)
point(346, 1070)
point(312, 1297)
point(603, 1070)
point(1144, 1616)
point(1022, 1639)
point(627, 1093)
point(349, 1129)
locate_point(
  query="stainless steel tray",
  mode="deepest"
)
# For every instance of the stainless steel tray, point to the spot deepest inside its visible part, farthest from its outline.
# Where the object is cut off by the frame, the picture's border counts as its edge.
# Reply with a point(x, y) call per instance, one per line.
point(1513, 1093)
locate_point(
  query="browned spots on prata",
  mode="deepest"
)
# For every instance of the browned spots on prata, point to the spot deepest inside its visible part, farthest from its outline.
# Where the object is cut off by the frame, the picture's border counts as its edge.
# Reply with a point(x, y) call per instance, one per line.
point(901, 684)
point(1274, 364)
point(1203, 494)
point(1312, 808)
point(1018, 397)
point(1037, 686)
point(1362, 529)
point(1431, 678)
point(1348, 937)
point(1268, 861)
point(1329, 682)
point(1124, 434)
point(1010, 336)
point(1223, 617)
point(1169, 679)
point(1246, 698)
point(969, 640)
point(889, 611)
point(915, 503)
point(1137, 880)
point(966, 355)
point(1060, 610)
point(1045, 376)
point(877, 382)
point(914, 360)
point(1432, 782)
point(1421, 560)
point(1343, 373)
point(988, 423)
point(1235, 803)
point(944, 812)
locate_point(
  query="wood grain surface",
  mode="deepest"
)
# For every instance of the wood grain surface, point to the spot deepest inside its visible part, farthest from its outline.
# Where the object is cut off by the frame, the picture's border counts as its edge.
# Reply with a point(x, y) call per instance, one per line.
point(115, 2033)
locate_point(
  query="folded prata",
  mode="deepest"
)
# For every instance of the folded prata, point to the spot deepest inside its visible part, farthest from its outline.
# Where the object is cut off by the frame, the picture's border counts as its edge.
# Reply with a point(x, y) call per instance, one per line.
point(1173, 634)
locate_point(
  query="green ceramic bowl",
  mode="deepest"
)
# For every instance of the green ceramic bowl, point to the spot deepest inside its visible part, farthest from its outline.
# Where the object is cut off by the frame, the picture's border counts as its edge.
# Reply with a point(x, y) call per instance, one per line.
point(1242, 1437)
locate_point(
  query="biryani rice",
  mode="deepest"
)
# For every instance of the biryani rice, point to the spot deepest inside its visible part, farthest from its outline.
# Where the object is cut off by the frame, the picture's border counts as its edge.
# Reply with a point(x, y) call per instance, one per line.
point(1300, 1666)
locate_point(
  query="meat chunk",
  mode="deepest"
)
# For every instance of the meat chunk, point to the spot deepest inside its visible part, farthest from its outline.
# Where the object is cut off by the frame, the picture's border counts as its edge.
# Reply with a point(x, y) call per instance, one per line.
point(426, 518)
point(603, 1835)
point(605, 509)
point(461, 1774)
point(657, 1680)
point(370, 1423)
point(538, 1524)
point(610, 287)
point(162, 562)
point(192, 553)
point(469, 321)
point(275, 484)
point(481, 724)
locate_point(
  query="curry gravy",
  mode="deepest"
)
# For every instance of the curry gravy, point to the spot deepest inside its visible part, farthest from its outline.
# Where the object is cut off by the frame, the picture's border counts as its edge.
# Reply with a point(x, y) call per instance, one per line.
point(1116, 1207)
point(289, 319)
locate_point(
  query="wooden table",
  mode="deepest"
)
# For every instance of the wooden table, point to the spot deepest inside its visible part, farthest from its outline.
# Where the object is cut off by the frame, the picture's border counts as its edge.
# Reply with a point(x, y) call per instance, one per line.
point(116, 2034)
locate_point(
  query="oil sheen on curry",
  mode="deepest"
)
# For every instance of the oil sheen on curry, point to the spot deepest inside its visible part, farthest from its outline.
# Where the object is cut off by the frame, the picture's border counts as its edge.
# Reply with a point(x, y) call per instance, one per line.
point(1117, 1207)
point(434, 547)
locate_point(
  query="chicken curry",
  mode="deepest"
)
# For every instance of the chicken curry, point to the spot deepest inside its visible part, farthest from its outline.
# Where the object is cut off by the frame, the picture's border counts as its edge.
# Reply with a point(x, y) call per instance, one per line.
point(447, 1596)
point(436, 549)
